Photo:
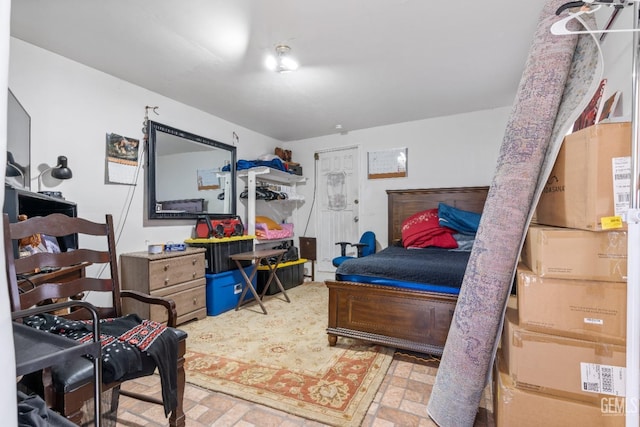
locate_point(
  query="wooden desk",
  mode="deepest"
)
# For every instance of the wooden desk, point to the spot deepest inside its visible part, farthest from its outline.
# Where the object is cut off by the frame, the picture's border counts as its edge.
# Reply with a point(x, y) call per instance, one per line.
point(256, 257)
point(62, 275)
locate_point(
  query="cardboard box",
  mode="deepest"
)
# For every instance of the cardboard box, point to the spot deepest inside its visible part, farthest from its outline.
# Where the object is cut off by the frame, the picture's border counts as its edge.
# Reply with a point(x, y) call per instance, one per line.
point(560, 366)
point(580, 189)
point(581, 309)
point(515, 407)
point(567, 253)
point(224, 290)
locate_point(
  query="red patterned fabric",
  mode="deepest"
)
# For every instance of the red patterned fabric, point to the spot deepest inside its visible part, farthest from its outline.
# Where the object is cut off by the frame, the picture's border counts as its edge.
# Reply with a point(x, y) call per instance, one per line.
point(423, 229)
point(126, 343)
point(143, 335)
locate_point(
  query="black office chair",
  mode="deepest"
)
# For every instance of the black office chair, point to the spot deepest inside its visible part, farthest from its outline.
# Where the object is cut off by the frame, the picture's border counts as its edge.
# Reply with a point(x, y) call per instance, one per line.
point(365, 247)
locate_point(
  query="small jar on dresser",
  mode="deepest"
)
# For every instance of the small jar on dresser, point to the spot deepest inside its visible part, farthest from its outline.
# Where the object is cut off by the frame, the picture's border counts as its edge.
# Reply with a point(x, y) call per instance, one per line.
point(175, 275)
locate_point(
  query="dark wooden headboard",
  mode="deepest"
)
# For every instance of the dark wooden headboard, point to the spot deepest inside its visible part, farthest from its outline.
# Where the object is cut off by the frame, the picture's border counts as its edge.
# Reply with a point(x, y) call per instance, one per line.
point(404, 203)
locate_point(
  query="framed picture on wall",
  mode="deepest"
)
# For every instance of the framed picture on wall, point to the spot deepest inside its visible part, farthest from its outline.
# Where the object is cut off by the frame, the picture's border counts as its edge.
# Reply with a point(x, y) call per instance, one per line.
point(391, 163)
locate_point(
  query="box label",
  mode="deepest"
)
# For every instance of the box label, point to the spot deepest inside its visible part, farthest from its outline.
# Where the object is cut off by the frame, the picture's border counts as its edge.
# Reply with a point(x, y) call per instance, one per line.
point(604, 379)
point(621, 169)
point(611, 222)
point(592, 321)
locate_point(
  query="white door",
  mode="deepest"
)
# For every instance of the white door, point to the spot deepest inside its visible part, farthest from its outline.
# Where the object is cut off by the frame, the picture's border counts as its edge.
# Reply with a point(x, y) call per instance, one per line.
point(338, 210)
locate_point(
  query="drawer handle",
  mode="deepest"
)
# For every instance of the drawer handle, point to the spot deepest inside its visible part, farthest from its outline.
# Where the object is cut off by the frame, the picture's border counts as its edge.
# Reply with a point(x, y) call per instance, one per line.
point(166, 267)
point(194, 274)
point(195, 301)
point(166, 281)
point(194, 261)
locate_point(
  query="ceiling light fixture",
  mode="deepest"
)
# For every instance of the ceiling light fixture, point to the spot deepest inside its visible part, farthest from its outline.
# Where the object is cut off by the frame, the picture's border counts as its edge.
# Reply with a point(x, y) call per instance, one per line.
point(282, 62)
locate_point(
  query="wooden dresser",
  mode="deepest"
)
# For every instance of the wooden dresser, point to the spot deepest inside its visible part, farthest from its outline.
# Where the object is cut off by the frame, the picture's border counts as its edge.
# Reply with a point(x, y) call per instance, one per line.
point(175, 275)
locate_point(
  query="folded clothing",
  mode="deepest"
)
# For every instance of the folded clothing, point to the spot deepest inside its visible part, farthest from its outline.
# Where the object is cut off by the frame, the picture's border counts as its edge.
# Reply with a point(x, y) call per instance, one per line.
point(264, 232)
point(465, 222)
point(248, 164)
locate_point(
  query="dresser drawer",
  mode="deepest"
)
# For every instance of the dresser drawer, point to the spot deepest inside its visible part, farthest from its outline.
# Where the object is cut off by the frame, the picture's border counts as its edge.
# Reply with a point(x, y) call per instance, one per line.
point(170, 271)
point(189, 297)
point(175, 275)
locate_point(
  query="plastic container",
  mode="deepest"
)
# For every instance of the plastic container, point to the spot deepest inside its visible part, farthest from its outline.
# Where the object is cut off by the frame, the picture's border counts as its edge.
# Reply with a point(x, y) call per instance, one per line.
point(218, 251)
point(224, 290)
point(291, 274)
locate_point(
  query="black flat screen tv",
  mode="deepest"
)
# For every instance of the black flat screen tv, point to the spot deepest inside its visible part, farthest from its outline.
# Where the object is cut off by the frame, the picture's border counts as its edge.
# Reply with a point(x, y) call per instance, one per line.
point(18, 145)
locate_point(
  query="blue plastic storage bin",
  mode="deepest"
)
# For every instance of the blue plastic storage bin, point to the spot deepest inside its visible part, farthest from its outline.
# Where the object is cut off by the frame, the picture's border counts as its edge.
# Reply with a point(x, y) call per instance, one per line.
point(224, 290)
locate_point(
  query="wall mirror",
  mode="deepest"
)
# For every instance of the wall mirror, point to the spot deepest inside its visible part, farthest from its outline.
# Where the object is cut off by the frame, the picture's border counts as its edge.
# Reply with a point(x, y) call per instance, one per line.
point(188, 175)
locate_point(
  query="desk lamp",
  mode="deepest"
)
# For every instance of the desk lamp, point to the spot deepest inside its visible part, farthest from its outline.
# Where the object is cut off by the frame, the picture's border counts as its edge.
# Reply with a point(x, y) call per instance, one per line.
point(59, 171)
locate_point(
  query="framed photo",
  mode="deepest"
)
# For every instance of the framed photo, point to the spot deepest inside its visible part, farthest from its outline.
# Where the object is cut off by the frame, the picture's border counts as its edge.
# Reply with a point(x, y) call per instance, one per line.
point(122, 159)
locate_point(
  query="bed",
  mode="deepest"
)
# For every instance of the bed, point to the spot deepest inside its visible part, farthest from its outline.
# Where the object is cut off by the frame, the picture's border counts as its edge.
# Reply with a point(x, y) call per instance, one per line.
point(408, 315)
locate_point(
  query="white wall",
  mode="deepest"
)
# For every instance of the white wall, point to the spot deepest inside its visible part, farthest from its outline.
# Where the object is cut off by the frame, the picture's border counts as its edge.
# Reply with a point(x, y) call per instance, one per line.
point(73, 107)
point(449, 151)
point(617, 54)
point(8, 407)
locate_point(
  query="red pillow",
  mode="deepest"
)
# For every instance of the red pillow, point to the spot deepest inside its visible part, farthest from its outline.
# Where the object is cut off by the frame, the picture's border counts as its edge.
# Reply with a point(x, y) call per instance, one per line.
point(423, 229)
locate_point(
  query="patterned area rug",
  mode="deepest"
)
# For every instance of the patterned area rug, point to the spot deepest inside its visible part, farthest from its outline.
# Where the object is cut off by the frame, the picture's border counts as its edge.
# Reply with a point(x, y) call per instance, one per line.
point(283, 359)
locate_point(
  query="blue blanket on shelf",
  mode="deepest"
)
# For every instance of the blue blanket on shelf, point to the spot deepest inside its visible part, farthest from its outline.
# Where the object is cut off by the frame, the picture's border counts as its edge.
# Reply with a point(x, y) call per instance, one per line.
point(248, 164)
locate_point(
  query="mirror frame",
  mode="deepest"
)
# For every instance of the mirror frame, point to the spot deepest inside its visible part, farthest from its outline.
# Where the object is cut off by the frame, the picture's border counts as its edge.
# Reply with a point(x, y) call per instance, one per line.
point(152, 129)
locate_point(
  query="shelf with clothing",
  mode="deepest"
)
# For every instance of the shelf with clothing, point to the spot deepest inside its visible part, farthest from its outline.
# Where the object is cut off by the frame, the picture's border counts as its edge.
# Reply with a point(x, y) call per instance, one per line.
point(272, 193)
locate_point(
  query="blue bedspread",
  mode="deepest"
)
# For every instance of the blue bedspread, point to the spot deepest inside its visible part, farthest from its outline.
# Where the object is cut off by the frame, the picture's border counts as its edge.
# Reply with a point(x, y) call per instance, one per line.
point(432, 269)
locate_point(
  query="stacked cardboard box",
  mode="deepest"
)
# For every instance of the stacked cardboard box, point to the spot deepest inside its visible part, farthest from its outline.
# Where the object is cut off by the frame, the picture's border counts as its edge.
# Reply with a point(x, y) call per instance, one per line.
point(590, 179)
point(563, 349)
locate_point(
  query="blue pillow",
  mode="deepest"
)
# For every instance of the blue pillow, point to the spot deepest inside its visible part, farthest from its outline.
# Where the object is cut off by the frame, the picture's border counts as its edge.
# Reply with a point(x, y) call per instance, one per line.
point(464, 222)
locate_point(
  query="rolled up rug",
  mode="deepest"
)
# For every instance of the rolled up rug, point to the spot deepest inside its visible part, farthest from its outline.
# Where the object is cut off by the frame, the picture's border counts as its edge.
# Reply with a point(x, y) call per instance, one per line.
point(560, 76)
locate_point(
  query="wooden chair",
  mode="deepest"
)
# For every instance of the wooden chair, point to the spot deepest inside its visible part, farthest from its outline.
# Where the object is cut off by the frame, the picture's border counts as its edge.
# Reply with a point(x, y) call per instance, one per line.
point(66, 387)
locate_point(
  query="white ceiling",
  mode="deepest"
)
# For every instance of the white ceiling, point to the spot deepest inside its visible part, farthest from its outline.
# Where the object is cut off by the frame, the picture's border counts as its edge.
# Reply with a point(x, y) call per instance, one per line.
point(364, 63)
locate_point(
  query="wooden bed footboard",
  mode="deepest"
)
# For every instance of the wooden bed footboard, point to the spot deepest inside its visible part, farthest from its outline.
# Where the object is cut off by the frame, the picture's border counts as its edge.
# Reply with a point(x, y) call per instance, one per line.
point(401, 318)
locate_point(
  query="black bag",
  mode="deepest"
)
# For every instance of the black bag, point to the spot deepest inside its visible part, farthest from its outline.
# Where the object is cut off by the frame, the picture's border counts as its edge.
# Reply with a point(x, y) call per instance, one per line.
point(290, 255)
